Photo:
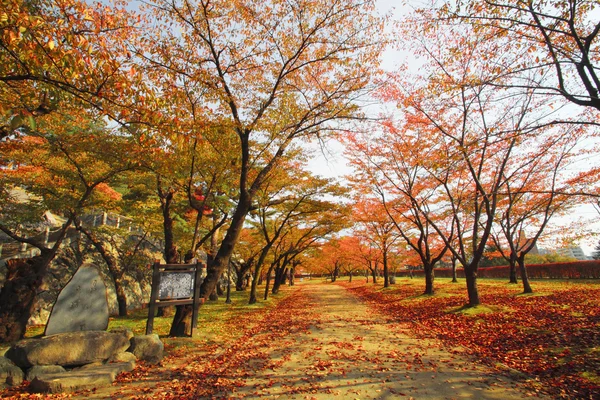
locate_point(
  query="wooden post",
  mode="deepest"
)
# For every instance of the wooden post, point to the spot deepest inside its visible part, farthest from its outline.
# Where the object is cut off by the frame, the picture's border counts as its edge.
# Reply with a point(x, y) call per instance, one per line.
point(197, 284)
point(153, 298)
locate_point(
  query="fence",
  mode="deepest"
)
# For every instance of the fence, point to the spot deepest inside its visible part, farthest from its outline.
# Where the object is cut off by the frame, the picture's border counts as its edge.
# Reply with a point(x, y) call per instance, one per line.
point(12, 249)
point(561, 270)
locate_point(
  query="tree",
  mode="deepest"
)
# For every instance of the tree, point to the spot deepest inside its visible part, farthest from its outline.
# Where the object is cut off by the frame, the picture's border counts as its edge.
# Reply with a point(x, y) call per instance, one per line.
point(391, 168)
point(367, 254)
point(596, 253)
point(376, 226)
point(333, 256)
point(273, 74)
point(64, 52)
point(471, 132)
point(539, 185)
point(292, 213)
point(64, 166)
point(555, 42)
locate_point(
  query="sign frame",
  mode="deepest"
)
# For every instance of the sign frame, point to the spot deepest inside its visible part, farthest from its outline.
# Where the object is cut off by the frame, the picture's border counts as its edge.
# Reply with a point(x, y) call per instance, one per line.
point(158, 270)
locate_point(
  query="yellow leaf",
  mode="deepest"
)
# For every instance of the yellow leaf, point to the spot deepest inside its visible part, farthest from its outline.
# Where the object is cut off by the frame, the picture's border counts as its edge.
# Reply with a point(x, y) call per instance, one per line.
point(22, 29)
point(51, 44)
point(3, 17)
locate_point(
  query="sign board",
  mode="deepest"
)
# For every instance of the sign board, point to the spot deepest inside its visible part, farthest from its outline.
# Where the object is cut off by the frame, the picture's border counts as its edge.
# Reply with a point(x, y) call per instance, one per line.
point(175, 285)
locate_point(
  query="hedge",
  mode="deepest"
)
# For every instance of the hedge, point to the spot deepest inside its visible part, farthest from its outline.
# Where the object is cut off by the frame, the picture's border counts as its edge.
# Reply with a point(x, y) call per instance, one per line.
point(560, 270)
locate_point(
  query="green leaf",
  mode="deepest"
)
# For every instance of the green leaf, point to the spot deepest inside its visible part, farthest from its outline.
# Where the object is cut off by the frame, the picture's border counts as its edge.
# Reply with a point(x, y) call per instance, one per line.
point(32, 123)
point(16, 122)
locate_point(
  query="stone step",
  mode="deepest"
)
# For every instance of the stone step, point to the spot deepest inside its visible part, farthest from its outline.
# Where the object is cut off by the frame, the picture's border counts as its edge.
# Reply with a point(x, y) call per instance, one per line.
point(87, 377)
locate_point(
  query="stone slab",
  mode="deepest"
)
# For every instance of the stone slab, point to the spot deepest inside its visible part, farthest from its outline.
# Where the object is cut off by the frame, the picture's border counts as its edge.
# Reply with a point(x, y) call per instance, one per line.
point(79, 379)
point(81, 305)
point(40, 370)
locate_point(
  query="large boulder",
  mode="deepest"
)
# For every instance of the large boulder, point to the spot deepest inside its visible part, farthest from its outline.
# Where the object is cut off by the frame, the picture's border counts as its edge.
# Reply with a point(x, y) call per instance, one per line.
point(68, 349)
point(10, 374)
point(147, 348)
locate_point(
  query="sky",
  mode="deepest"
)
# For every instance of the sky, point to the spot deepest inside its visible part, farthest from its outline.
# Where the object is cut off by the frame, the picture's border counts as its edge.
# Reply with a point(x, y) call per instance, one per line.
point(330, 162)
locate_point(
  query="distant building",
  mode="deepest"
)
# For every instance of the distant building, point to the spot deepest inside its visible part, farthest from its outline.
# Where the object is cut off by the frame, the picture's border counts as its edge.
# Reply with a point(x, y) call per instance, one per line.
point(575, 252)
point(523, 241)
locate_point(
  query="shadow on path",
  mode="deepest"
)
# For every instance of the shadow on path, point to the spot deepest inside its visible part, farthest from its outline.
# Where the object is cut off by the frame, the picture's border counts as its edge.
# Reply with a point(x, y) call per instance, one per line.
point(351, 352)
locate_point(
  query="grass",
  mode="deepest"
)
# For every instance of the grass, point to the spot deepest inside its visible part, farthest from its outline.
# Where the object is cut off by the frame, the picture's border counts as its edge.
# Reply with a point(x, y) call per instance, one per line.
point(214, 320)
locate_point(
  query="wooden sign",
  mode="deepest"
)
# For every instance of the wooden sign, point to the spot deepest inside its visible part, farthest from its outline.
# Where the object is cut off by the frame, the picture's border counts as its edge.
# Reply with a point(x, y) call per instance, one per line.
point(175, 285)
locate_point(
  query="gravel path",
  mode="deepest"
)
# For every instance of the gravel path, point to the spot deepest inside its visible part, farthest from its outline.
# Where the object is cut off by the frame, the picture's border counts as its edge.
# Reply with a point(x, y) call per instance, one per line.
point(350, 353)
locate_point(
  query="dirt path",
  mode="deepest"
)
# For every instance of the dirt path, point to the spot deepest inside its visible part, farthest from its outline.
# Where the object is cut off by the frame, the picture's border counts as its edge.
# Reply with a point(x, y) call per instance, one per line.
point(350, 353)
point(318, 343)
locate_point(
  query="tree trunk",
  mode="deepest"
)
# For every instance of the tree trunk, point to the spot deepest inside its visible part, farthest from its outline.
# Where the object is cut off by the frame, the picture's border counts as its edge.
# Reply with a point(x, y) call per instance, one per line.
point(335, 272)
point(374, 274)
point(524, 276)
point(454, 280)
point(253, 299)
point(182, 321)
point(221, 260)
point(170, 251)
point(512, 262)
point(24, 278)
point(429, 278)
point(121, 298)
point(350, 277)
point(280, 274)
point(268, 281)
point(241, 281)
point(471, 276)
point(386, 275)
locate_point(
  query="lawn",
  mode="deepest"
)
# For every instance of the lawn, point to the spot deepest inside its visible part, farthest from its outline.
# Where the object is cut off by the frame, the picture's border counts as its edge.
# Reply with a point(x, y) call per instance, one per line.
point(217, 321)
point(551, 336)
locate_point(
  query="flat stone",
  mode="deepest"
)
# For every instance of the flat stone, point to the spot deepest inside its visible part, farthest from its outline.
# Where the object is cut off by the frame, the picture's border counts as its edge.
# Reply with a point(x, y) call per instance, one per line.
point(79, 379)
point(147, 348)
point(10, 374)
point(68, 349)
point(124, 356)
point(40, 370)
point(113, 368)
point(81, 305)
